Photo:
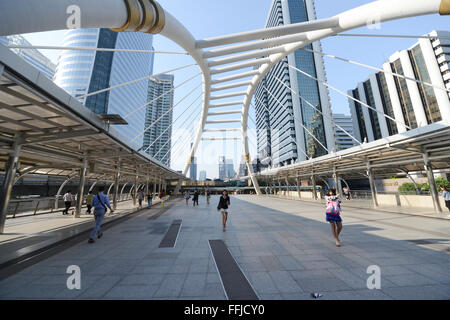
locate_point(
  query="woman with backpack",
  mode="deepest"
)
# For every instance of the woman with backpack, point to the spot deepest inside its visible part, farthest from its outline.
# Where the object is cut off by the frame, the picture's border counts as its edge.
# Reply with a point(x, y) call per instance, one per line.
point(333, 212)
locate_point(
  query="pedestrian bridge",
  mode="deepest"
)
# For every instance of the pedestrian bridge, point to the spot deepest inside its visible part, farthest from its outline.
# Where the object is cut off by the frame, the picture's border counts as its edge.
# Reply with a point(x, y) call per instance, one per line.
point(45, 131)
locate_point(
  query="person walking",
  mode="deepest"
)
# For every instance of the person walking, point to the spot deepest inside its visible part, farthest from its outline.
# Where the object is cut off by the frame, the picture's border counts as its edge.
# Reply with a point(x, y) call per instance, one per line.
point(100, 203)
point(195, 198)
point(208, 195)
point(149, 199)
point(446, 195)
point(89, 202)
point(68, 198)
point(333, 212)
point(346, 193)
point(187, 196)
point(140, 197)
point(224, 203)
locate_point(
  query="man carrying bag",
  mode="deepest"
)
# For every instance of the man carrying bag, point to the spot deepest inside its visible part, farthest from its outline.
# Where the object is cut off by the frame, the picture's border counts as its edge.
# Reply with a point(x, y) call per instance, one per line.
point(100, 202)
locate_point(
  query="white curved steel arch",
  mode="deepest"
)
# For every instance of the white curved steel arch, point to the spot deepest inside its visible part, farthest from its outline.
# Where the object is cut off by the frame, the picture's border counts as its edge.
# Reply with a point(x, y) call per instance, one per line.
point(23, 16)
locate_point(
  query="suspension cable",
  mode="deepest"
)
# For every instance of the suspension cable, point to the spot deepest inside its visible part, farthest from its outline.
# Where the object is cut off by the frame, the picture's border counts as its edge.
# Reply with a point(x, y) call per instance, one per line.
point(348, 96)
point(162, 95)
point(165, 113)
point(312, 106)
point(179, 148)
point(388, 36)
point(293, 140)
point(187, 136)
point(92, 49)
point(170, 126)
point(300, 122)
point(376, 69)
point(134, 81)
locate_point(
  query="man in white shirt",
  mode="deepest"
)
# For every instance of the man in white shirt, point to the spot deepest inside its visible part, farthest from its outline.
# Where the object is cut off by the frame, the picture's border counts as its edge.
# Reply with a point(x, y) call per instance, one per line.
point(67, 201)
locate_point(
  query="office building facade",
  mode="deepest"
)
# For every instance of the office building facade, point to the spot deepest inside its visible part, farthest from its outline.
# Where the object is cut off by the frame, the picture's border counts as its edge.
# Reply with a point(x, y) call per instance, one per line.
point(342, 131)
point(82, 72)
point(193, 170)
point(282, 116)
point(158, 118)
point(226, 168)
point(32, 56)
point(202, 175)
point(410, 103)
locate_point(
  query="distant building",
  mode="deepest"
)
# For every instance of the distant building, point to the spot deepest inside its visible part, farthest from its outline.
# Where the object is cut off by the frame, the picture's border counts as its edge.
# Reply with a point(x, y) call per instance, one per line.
point(226, 168)
point(82, 72)
point(32, 56)
point(193, 168)
point(159, 110)
point(202, 175)
point(243, 170)
point(408, 102)
point(343, 140)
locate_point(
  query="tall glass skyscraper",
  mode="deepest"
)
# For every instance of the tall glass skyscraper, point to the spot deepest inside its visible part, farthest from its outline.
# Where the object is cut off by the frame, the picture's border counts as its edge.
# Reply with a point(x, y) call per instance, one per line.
point(282, 138)
point(158, 118)
point(81, 72)
point(32, 56)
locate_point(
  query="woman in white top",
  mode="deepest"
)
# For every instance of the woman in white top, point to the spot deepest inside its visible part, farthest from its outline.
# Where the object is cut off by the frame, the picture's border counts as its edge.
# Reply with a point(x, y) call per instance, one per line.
point(67, 201)
point(187, 196)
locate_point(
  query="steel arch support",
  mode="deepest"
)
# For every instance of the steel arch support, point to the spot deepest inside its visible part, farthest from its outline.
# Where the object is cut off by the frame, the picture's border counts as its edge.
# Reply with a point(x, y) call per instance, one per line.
point(58, 194)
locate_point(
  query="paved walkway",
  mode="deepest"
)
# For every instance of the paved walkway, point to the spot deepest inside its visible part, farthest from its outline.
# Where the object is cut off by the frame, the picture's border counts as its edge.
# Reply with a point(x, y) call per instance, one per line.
point(25, 236)
point(283, 247)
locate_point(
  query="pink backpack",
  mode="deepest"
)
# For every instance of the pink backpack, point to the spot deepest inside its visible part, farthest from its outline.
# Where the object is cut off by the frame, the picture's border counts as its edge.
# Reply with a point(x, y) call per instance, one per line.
point(333, 207)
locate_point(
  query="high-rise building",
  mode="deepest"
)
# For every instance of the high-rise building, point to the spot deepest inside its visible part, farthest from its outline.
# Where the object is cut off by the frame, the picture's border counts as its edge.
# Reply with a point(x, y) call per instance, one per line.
point(158, 118)
point(32, 56)
point(193, 170)
point(222, 168)
point(202, 175)
point(82, 72)
point(282, 138)
point(243, 169)
point(409, 102)
point(226, 168)
point(193, 167)
point(230, 169)
point(343, 140)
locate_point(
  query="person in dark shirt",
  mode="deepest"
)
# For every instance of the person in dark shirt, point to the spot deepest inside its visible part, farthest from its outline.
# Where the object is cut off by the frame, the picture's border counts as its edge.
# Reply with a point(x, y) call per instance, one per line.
point(224, 203)
point(195, 198)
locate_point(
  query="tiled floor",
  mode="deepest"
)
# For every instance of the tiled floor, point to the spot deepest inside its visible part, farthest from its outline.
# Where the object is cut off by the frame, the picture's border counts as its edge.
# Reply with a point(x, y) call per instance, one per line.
point(284, 248)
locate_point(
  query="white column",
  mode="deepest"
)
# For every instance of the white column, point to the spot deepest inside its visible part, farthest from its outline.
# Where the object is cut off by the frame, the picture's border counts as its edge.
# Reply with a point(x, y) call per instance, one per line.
point(379, 106)
point(356, 128)
point(413, 90)
point(395, 100)
point(365, 111)
point(436, 78)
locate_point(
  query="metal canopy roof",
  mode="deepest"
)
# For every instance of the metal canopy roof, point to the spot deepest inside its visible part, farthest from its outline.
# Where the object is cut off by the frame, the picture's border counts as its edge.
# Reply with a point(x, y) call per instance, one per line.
point(57, 132)
point(388, 155)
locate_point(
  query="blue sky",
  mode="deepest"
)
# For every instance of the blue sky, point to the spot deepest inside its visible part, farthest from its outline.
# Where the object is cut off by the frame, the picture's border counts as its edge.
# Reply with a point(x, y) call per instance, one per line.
point(207, 18)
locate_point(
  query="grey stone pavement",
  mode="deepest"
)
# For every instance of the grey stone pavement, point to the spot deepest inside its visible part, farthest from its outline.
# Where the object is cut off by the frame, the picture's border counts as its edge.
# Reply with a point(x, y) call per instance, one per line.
point(284, 248)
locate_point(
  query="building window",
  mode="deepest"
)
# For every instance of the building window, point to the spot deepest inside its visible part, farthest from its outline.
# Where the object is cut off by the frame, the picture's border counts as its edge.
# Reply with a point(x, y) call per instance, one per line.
point(427, 95)
point(403, 93)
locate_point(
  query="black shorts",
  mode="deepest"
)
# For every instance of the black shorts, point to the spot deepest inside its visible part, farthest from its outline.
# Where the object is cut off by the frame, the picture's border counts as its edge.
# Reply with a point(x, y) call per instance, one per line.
point(447, 204)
